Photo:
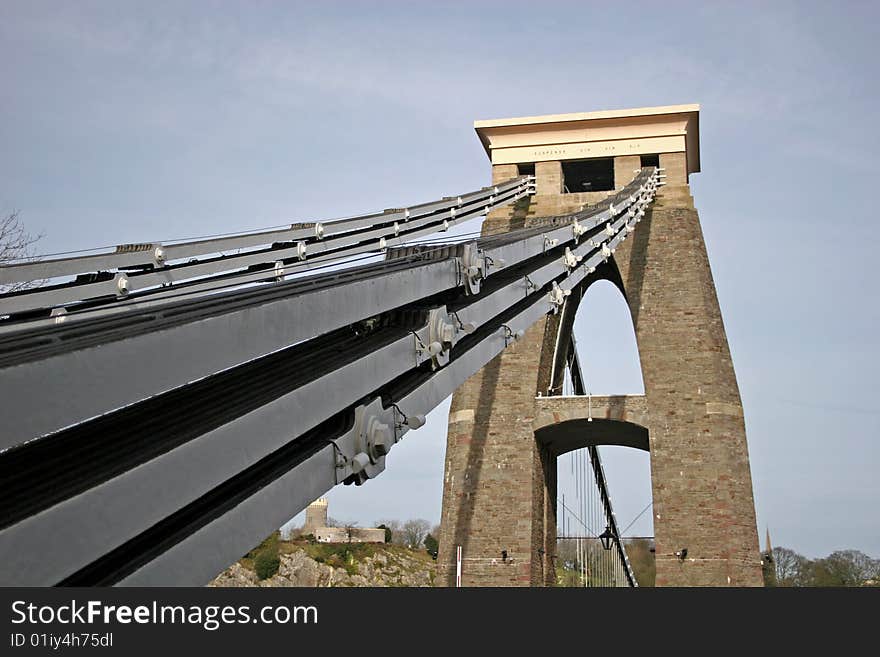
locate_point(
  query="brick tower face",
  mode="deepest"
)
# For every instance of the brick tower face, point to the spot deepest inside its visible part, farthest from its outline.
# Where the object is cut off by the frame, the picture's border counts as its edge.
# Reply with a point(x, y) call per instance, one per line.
point(499, 486)
point(499, 493)
point(700, 471)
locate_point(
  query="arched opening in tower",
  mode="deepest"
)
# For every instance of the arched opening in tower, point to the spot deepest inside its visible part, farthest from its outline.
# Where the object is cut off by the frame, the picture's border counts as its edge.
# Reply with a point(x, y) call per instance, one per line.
point(609, 365)
point(606, 342)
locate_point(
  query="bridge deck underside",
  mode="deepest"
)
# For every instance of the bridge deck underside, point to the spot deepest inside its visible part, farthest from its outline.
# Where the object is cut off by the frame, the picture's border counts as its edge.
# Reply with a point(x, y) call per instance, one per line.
point(563, 424)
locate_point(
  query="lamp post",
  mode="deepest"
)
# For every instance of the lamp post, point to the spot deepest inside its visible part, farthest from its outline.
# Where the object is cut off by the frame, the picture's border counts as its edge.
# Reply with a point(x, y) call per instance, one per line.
point(606, 537)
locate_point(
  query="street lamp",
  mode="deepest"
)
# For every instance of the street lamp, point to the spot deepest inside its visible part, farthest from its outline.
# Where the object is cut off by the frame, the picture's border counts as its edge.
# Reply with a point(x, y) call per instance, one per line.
point(606, 537)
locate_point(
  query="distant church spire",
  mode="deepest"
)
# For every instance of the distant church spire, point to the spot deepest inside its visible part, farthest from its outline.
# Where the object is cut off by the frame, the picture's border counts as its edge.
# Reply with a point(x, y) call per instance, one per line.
point(769, 548)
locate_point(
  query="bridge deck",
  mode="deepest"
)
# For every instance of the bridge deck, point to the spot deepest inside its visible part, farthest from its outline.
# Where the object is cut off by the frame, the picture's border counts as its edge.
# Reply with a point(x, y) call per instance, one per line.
point(565, 423)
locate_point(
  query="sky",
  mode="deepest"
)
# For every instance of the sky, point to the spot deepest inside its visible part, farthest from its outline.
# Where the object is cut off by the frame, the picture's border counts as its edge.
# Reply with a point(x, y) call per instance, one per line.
point(134, 122)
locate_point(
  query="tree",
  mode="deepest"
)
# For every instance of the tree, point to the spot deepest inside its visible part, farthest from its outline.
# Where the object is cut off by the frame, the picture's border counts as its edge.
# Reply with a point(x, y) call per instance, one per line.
point(431, 545)
point(396, 530)
point(841, 568)
point(266, 563)
point(414, 532)
point(821, 572)
point(767, 571)
point(16, 244)
point(388, 533)
point(640, 552)
point(768, 568)
point(844, 568)
point(265, 556)
point(566, 554)
point(791, 568)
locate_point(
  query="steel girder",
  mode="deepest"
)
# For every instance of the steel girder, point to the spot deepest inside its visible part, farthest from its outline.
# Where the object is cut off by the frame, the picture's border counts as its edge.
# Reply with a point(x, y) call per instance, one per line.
point(186, 342)
point(151, 494)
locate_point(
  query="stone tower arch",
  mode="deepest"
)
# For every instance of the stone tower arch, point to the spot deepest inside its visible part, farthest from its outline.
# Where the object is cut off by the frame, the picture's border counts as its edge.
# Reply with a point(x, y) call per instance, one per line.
point(500, 471)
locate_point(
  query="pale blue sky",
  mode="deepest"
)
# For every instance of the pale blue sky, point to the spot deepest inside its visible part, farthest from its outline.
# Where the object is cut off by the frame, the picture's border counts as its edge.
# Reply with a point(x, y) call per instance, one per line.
point(127, 122)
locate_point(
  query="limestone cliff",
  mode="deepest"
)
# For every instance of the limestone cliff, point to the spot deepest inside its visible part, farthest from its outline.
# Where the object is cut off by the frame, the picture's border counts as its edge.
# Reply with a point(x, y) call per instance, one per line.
point(382, 566)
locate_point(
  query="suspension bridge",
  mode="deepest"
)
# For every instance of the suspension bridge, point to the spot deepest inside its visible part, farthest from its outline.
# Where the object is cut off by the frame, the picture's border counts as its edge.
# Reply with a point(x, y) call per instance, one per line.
point(166, 405)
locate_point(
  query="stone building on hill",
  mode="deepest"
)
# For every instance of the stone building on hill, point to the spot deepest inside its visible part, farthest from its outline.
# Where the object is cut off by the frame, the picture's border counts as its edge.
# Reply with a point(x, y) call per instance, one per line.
point(317, 524)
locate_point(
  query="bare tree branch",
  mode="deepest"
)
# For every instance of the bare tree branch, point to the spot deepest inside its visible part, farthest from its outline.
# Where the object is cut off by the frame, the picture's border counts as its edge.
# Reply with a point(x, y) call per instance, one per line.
point(16, 245)
point(414, 532)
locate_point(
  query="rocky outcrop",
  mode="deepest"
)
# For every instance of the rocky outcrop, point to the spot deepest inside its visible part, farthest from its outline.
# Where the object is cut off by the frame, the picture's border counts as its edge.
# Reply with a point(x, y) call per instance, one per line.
point(236, 575)
point(296, 568)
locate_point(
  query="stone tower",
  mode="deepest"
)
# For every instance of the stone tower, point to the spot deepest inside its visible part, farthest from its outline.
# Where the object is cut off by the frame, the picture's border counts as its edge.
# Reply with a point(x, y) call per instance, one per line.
point(500, 472)
point(316, 516)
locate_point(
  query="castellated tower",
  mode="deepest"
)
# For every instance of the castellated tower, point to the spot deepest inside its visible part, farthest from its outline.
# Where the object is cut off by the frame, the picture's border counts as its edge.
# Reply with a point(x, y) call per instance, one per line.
point(316, 516)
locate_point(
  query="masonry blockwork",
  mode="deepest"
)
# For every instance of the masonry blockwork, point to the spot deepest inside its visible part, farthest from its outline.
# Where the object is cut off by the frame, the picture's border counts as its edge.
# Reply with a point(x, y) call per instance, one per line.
point(499, 486)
